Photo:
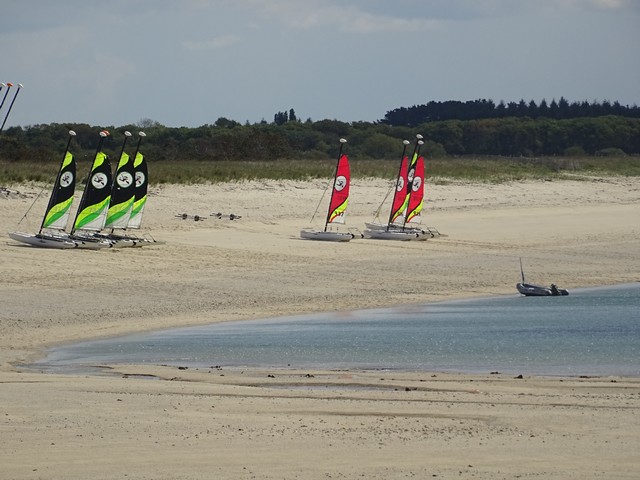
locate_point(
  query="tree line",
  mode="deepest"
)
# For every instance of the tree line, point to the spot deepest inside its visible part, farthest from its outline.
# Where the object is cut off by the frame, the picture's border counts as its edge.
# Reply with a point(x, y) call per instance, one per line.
point(478, 109)
point(287, 137)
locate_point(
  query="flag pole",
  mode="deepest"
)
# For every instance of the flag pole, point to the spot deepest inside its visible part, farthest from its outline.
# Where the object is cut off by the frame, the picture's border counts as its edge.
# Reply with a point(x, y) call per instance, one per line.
point(10, 106)
point(8, 85)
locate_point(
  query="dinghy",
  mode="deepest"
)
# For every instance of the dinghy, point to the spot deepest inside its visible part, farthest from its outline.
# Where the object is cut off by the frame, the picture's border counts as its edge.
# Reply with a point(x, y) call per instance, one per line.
point(407, 201)
point(337, 204)
point(56, 216)
point(141, 175)
point(121, 201)
point(531, 290)
point(94, 204)
point(128, 198)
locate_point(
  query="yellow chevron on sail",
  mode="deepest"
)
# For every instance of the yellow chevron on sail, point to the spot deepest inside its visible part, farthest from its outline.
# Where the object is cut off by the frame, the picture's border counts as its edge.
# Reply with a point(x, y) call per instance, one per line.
point(57, 212)
point(90, 214)
point(122, 195)
point(338, 213)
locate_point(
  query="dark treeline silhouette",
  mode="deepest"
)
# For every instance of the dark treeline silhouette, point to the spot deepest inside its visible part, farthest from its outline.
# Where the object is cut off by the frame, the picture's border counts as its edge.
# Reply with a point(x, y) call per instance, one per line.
point(477, 109)
point(451, 129)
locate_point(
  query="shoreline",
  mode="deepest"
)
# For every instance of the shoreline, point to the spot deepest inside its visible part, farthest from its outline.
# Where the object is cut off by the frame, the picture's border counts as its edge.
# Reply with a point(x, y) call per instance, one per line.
point(77, 366)
point(39, 352)
point(303, 424)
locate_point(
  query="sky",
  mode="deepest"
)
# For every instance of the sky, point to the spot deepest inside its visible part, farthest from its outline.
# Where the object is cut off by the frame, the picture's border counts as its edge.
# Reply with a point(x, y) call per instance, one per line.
point(191, 62)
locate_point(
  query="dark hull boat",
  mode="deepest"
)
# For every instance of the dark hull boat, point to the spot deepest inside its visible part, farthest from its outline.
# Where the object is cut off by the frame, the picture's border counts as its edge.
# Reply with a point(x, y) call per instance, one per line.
point(531, 290)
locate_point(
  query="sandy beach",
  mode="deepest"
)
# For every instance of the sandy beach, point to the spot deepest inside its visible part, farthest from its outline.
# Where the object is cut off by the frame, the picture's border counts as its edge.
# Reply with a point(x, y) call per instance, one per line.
point(155, 422)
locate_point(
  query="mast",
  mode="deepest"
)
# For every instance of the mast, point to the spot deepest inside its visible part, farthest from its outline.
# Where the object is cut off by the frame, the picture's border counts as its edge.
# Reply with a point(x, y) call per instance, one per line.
point(67, 161)
point(141, 181)
point(411, 174)
point(399, 182)
point(8, 85)
point(15, 95)
point(416, 192)
point(121, 203)
point(139, 186)
point(83, 201)
point(335, 177)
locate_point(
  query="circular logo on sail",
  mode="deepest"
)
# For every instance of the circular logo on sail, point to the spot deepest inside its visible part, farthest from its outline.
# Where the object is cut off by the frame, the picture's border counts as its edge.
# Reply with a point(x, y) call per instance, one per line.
point(66, 179)
point(410, 174)
point(99, 180)
point(400, 184)
point(125, 179)
point(417, 182)
point(341, 182)
point(140, 179)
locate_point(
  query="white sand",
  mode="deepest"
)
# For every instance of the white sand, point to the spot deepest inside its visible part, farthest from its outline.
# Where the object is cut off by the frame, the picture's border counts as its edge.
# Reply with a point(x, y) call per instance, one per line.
point(258, 424)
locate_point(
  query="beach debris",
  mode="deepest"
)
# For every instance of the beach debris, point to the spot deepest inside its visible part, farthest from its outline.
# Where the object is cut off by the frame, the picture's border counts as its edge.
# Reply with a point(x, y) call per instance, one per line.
point(195, 218)
point(433, 231)
point(230, 216)
point(7, 191)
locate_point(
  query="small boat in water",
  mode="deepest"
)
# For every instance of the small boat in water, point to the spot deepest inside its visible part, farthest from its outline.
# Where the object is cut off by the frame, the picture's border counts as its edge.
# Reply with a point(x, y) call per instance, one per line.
point(531, 290)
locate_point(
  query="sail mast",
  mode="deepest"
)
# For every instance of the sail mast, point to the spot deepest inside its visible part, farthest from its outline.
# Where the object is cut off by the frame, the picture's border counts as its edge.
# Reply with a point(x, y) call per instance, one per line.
point(410, 175)
point(408, 179)
point(121, 202)
point(141, 180)
point(400, 179)
point(10, 106)
point(335, 177)
point(83, 201)
point(141, 135)
point(416, 193)
point(8, 85)
point(53, 199)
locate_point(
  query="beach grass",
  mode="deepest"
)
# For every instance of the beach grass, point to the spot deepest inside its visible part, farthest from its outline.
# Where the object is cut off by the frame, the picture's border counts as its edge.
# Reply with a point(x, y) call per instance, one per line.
point(439, 170)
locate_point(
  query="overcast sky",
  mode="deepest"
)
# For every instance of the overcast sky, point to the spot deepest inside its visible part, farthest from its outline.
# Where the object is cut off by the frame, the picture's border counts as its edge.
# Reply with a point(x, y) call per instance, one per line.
point(190, 62)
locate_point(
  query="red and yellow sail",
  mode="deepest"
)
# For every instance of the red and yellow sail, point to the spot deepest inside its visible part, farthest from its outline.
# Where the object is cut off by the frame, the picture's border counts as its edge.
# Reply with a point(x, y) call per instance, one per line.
point(340, 194)
point(398, 206)
point(416, 195)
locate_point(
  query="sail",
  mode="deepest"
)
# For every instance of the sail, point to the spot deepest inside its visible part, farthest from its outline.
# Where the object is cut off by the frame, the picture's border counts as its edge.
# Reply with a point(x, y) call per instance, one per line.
point(411, 171)
point(398, 205)
point(92, 211)
point(416, 196)
point(59, 208)
point(340, 194)
point(122, 194)
point(142, 181)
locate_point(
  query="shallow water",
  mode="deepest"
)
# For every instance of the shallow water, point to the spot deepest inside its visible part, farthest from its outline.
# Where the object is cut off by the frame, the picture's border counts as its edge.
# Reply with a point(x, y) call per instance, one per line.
point(590, 332)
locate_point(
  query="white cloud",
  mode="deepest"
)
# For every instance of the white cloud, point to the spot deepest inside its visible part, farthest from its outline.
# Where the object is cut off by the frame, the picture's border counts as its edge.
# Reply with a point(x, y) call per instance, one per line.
point(212, 44)
point(353, 16)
